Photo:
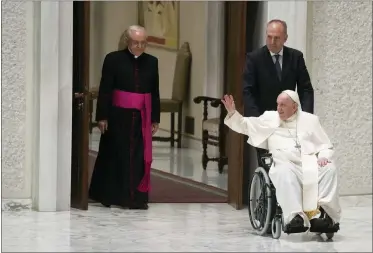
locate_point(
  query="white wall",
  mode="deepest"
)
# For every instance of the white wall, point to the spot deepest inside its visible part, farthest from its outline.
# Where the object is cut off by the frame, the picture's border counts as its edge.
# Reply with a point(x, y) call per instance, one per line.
point(16, 169)
point(37, 105)
point(342, 77)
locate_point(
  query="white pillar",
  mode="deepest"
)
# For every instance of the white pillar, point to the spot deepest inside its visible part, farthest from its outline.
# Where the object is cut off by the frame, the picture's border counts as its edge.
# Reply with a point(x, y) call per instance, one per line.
point(294, 13)
point(48, 107)
point(215, 25)
point(65, 105)
point(53, 94)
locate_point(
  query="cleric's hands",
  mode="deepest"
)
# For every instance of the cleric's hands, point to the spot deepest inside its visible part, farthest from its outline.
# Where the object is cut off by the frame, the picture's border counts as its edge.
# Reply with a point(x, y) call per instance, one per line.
point(102, 125)
point(155, 127)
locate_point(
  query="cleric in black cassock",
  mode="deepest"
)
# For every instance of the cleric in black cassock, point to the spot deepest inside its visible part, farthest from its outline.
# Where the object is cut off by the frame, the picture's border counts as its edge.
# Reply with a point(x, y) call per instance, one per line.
point(129, 79)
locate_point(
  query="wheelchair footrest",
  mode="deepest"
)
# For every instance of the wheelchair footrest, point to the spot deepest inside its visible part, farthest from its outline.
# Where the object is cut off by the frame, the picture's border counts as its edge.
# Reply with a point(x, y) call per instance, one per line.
point(331, 229)
point(294, 230)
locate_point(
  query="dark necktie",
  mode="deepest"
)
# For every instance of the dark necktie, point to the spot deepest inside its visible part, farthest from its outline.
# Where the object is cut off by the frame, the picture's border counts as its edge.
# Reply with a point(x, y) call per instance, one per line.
point(278, 67)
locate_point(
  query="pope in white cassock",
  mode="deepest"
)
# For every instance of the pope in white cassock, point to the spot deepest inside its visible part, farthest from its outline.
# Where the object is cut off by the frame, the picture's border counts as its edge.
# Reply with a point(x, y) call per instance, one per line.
point(303, 171)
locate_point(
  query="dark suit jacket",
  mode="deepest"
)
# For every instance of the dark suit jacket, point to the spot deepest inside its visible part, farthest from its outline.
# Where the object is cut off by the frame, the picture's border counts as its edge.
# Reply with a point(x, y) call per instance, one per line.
point(261, 85)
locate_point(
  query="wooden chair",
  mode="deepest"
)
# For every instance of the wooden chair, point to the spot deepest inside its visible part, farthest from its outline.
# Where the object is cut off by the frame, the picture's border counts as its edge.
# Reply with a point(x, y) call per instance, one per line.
point(179, 89)
point(213, 132)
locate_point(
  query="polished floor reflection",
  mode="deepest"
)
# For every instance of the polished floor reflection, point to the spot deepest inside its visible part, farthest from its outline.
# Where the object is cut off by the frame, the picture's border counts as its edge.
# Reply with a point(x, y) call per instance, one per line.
point(182, 162)
point(174, 228)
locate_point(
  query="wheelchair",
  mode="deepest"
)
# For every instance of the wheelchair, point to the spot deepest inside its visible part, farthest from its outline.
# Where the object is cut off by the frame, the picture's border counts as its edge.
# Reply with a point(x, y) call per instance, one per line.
point(265, 213)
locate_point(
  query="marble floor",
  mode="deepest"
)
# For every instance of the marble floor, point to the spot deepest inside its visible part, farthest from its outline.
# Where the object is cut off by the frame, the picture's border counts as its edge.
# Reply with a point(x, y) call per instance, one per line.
point(174, 228)
point(184, 162)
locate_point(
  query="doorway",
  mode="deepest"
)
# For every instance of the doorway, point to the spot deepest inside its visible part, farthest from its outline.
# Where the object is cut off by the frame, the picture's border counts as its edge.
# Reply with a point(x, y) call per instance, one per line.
point(240, 23)
point(236, 13)
point(80, 129)
point(102, 37)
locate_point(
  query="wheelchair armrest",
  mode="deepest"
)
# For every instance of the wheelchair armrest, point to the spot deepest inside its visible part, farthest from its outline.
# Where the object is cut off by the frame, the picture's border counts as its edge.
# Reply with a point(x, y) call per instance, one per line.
point(266, 155)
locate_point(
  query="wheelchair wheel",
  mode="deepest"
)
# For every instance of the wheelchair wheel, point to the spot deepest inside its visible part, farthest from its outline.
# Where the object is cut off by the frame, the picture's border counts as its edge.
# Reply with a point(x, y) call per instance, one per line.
point(260, 208)
point(276, 227)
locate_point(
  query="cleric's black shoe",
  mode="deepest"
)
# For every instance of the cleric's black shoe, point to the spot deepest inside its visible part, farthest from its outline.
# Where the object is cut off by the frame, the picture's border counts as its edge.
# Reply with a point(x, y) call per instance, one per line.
point(106, 205)
point(136, 206)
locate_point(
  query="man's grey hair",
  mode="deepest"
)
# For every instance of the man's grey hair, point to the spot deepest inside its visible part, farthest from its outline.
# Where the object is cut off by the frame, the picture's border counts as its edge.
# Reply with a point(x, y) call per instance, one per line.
point(125, 38)
point(279, 21)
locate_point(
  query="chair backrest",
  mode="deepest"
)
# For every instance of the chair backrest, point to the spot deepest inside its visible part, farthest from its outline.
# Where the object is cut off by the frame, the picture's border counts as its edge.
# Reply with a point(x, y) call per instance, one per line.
point(182, 73)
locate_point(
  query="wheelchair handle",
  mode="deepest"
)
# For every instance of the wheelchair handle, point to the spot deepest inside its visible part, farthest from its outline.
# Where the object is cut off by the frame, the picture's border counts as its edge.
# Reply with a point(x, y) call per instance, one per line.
point(267, 159)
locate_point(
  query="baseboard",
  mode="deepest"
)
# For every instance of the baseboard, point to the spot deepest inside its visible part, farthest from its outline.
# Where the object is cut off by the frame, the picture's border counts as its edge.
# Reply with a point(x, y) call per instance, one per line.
point(16, 205)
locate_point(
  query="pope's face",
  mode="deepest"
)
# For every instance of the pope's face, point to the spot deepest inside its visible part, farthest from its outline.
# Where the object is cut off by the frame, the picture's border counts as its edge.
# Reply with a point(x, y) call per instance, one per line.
point(286, 107)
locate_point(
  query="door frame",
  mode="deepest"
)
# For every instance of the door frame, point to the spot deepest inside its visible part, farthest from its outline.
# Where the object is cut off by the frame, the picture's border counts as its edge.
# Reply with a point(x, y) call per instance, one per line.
point(235, 51)
point(82, 95)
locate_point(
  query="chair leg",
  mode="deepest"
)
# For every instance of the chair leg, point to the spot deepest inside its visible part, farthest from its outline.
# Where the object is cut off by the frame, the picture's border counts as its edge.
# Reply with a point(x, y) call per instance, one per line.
point(205, 137)
point(172, 129)
point(220, 165)
point(179, 126)
point(90, 116)
point(221, 161)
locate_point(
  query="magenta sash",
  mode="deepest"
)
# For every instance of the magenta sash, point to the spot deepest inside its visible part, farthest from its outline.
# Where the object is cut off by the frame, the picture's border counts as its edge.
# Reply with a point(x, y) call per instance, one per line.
point(142, 102)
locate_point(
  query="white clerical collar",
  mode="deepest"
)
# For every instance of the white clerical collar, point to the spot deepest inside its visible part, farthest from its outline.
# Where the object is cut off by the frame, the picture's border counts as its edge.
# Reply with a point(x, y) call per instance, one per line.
point(291, 118)
point(279, 53)
point(135, 56)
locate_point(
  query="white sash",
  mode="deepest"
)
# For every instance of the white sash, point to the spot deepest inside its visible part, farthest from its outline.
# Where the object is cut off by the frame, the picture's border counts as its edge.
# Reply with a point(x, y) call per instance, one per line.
point(310, 183)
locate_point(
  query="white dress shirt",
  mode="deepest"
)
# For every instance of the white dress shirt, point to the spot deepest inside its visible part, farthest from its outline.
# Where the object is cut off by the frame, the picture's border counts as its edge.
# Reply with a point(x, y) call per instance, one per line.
point(279, 58)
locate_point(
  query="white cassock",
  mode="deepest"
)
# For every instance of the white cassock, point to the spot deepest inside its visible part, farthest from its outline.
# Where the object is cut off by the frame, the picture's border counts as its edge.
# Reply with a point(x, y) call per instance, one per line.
point(302, 186)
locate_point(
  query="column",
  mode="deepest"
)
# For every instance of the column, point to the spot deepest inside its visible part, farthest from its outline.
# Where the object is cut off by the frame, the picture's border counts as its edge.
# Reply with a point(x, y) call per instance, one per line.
point(53, 94)
point(47, 73)
point(65, 64)
point(214, 78)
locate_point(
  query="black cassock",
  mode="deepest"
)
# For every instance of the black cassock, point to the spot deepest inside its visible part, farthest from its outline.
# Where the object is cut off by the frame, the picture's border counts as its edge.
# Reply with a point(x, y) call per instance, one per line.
point(119, 166)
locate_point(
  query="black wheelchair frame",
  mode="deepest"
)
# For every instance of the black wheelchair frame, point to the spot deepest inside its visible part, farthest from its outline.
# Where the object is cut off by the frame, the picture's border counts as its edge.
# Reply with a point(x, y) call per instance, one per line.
point(269, 213)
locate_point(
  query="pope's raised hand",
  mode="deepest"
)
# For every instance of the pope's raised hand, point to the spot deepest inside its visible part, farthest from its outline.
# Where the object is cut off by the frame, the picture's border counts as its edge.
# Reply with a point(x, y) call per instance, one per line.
point(228, 102)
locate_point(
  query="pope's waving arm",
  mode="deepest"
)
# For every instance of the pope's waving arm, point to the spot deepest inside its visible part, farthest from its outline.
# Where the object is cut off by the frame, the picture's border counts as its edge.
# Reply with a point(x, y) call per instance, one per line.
point(256, 128)
point(234, 120)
